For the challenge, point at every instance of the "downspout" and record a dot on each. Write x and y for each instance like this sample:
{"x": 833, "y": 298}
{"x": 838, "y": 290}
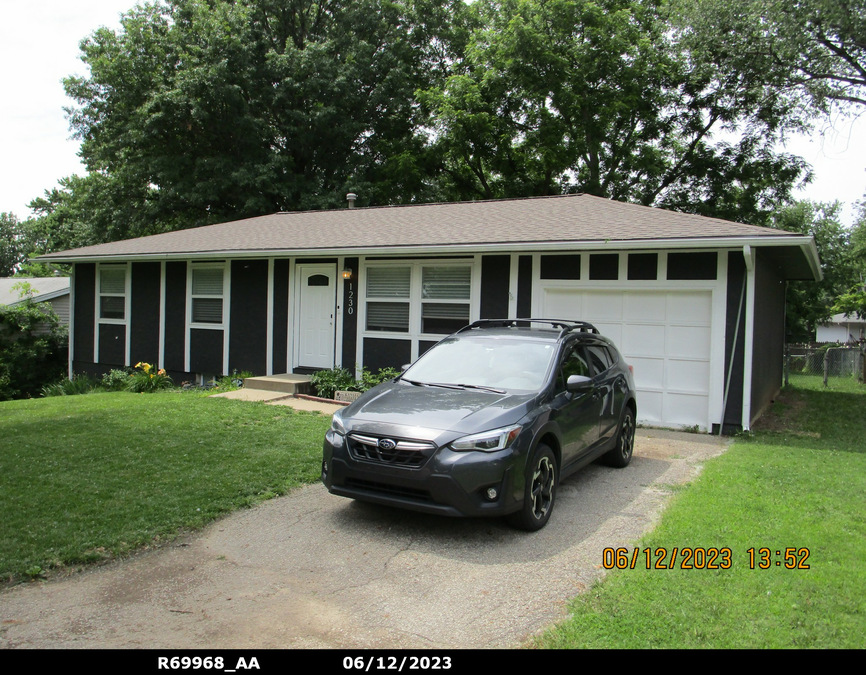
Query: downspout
{"x": 748, "y": 338}
{"x": 733, "y": 354}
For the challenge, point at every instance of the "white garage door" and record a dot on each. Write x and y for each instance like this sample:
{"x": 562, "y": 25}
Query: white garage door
{"x": 665, "y": 335}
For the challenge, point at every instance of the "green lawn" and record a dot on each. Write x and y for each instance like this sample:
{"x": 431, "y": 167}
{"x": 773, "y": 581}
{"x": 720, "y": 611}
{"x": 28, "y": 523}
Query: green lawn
{"x": 800, "y": 482}
{"x": 86, "y": 477}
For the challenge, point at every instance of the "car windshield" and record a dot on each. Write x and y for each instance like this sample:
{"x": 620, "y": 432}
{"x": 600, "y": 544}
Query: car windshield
{"x": 502, "y": 364}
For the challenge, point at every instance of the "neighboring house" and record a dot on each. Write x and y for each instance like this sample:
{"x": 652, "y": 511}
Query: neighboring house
{"x": 695, "y": 304}
{"x": 53, "y": 290}
{"x": 841, "y": 328}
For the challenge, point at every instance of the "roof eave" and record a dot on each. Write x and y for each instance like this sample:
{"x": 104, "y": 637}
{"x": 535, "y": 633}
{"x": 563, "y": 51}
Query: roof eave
{"x": 804, "y": 243}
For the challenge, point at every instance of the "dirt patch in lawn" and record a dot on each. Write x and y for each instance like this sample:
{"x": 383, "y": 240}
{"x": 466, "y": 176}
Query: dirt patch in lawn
{"x": 784, "y": 415}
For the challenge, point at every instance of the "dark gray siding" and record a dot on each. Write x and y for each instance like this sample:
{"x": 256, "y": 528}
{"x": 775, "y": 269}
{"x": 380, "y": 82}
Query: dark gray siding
{"x": 524, "y": 286}
{"x": 281, "y": 315}
{"x": 350, "y": 314}
{"x": 206, "y": 351}
{"x": 85, "y": 314}
{"x": 248, "y": 345}
{"x": 495, "y": 272}
{"x": 144, "y": 313}
{"x": 175, "y": 316}
{"x": 386, "y": 353}
{"x": 769, "y": 334}
{"x": 112, "y": 345}
{"x": 736, "y": 279}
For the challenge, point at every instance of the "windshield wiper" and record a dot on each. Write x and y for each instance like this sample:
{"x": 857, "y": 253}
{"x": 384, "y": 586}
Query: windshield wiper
{"x": 432, "y": 384}
{"x": 478, "y": 386}
{"x": 453, "y": 386}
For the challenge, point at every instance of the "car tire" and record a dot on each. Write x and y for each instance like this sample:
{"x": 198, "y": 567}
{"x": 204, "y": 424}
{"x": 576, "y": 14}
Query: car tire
{"x": 540, "y": 495}
{"x": 620, "y": 455}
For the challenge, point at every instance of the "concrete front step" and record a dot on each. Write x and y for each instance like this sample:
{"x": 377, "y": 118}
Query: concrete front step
{"x": 287, "y": 383}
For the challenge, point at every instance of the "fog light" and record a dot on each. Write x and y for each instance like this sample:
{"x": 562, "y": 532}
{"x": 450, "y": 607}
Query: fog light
{"x": 492, "y": 494}
{"x": 324, "y": 468}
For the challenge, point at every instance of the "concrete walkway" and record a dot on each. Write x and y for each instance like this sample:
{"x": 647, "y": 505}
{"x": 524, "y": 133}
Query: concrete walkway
{"x": 280, "y": 398}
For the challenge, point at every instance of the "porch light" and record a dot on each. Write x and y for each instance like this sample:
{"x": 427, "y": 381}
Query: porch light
{"x": 347, "y": 273}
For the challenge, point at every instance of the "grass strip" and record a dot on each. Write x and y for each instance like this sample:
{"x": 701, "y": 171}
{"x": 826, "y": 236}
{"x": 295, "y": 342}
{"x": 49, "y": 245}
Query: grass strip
{"x": 83, "y": 478}
{"x": 798, "y": 483}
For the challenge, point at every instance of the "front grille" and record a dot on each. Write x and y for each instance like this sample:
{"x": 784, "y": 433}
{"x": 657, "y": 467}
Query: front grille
{"x": 391, "y": 490}
{"x": 403, "y": 453}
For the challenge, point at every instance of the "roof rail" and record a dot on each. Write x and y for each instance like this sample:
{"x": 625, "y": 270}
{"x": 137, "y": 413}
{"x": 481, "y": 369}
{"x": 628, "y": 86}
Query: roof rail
{"x": 566, "y": 325}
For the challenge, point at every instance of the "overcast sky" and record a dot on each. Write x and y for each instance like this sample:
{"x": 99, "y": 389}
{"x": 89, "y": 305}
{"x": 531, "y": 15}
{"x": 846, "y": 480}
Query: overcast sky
{"x": 39, "y": 47}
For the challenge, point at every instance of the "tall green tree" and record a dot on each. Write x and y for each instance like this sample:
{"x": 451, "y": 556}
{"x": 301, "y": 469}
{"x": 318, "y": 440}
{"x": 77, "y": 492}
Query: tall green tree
{"x": 596, "y": 96}
{"x": 197, "y": 111}
{"x": 11, "y": 244}
{"x": 811, "y": 303}
{"x": 813, "y": 49}
{"x": 853, "y": 301}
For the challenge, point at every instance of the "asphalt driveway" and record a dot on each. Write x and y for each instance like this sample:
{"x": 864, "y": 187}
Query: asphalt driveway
{"x": 313, "y": 570}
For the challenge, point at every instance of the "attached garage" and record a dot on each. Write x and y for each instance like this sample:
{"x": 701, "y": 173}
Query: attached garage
{"x": 667, "y": 336}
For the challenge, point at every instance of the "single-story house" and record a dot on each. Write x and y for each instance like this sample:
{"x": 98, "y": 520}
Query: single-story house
{"x": 841, "y": 328}
{"x": 53, "y": 290}
{"x": 695, "y": 304}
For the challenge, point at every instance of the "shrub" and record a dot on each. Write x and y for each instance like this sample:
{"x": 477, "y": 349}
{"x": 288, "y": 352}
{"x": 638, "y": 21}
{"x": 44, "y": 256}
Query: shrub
{"x": 327, "y": 382}
{"x": 33, "y": 349}
{"x": 116, "y": 379}
{"x": 79, "y": 384}
{"x": 146, "y": 380}
{"x": 369, "y": 380}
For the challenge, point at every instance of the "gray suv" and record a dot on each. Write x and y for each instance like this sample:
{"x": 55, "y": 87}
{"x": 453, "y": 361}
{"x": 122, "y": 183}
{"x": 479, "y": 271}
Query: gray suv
{"x": 487, "y": 422}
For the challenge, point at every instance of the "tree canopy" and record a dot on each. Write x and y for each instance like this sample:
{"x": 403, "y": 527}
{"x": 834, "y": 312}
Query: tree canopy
{"x": 815, "y": 48}
{"x": 199, "y": 111}
{"x": 598, "y": 96}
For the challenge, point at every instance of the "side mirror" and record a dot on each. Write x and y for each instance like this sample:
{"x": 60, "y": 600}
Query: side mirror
{"x": 578, "y": 383}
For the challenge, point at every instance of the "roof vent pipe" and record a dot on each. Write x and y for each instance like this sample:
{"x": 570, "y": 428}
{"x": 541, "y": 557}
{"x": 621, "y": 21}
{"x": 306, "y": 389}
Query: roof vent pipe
{"x": 351, "y": 197}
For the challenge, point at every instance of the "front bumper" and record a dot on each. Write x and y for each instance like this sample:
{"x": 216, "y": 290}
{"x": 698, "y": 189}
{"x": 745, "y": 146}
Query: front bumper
{"x": 449, "y": 483}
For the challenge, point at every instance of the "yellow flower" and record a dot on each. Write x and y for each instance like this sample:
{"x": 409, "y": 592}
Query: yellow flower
{"x": 138, "y": 365}
{"x": 161, "y": 371}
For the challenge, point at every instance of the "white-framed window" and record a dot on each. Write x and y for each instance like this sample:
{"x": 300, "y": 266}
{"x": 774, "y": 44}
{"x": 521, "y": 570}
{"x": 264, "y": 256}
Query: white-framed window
{"x": 207, "y": 291}
{"x": 388, "y": 298}
{"x": 426, "y": 299}
{"x": 445, "y": 295}
{"x": 112, "y": 289}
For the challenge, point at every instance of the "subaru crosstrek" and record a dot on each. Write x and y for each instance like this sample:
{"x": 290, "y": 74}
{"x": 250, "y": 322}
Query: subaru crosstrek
{"x": 487, "y": 422}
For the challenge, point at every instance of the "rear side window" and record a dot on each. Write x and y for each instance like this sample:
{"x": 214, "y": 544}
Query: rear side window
{"x": 599, "y": 357}
{"x": 574, "y": 363}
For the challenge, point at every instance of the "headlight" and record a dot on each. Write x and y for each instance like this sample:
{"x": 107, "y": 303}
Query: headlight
{"x": 488, "y": 441}
{"x": 337, "y": 423}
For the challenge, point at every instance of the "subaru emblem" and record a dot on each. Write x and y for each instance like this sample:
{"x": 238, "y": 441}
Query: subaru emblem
{"x": 386, "y": 444}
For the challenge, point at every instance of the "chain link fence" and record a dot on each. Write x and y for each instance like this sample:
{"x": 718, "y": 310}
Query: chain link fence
{"x": 826, "y": 361}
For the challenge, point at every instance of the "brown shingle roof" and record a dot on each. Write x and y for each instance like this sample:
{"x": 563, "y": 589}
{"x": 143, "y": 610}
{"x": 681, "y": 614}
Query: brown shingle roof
{"x": 566, "y": 219}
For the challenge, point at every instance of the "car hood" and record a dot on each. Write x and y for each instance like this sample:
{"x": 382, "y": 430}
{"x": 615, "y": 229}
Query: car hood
{"x": 425, "y": 412}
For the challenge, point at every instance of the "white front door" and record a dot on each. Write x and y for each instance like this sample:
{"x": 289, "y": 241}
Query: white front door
{"x": 316, "y": 311}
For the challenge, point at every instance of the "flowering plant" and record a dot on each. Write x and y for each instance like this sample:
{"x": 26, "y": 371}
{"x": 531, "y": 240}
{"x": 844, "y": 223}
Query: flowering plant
{"x": 146, "y": 379}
